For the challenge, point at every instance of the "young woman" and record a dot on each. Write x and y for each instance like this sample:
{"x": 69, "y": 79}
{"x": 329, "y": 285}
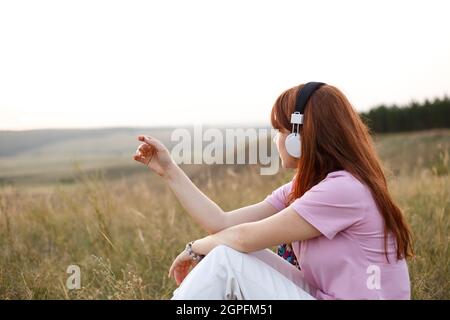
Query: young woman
{"x": 348, "y": 235}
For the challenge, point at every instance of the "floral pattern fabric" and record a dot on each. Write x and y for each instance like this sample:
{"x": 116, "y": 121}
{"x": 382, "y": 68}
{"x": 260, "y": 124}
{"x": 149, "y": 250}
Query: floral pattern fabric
{"x": 286, "y": 252}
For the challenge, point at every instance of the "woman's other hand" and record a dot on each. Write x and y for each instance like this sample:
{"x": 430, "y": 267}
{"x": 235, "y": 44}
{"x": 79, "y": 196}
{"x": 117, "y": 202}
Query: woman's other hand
{"x": 181, "y": 266}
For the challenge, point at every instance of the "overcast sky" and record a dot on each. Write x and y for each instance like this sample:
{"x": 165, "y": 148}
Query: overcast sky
{"x": 147, "y": 63}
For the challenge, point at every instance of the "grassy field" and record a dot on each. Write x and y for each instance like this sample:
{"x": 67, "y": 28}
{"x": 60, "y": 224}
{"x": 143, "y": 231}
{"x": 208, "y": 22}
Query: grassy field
{"x": 124, "y": 230}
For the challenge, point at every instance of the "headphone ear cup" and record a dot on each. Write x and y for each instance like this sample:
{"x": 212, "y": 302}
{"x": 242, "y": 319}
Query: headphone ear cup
{"x": 293, "y": 145}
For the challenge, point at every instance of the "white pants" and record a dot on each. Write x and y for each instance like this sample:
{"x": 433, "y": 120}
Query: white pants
{"x": 228, "y": 274}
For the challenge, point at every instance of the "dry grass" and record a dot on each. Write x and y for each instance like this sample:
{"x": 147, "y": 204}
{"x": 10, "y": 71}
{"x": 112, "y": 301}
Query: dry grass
{"x": 125, "y": 233}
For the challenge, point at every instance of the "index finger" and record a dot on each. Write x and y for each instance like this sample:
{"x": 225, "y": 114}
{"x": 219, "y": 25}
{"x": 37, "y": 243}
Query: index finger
{"x": 150, "y": 141}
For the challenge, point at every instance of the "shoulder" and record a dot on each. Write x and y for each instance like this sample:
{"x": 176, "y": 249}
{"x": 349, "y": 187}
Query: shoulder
{"x": 334, "y": 204}
{"x": 343, "y": 177}
{"x": 341, "y": 186}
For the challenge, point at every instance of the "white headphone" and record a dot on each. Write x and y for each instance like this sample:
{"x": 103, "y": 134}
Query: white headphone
{"x": 293, "y": 142}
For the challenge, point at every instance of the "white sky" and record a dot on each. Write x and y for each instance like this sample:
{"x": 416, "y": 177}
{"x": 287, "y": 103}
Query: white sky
{"x": 145, "y": 63}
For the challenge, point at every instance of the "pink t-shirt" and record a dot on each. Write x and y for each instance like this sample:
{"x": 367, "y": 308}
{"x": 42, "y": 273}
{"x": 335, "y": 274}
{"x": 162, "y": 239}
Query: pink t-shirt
{"x": 347, "y": 261}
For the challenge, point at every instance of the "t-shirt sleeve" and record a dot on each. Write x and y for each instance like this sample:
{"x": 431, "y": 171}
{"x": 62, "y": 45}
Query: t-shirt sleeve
{"x": 279, "y": 196}
{"x": 331, "y": 206}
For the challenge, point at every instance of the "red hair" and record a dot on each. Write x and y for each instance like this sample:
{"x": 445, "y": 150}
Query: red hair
{"x": 335, "y": 138}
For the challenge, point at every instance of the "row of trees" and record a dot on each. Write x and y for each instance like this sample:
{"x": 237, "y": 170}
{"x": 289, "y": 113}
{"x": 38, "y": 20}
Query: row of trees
{"x": 414, "y": 116}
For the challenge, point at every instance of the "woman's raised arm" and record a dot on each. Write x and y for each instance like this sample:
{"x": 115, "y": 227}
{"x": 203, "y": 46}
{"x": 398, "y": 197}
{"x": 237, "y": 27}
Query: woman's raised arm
{"x": 203, "y": 210}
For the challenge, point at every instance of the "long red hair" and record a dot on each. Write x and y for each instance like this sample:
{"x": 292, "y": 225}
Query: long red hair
{"x": 335, "y": 138}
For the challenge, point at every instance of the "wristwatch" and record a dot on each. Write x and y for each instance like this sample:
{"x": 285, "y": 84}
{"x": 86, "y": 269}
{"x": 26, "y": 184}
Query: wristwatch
{"x": 195, "y": 257}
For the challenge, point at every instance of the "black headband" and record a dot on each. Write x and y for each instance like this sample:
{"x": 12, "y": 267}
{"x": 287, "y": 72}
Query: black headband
{"x": 304, "y": 94}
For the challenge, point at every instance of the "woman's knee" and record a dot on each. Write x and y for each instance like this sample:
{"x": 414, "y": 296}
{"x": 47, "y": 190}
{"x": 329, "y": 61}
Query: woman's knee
{"x": 223, "y": 249}
{"x": 226, "y": 256}
{"x": 222, "y": 254}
